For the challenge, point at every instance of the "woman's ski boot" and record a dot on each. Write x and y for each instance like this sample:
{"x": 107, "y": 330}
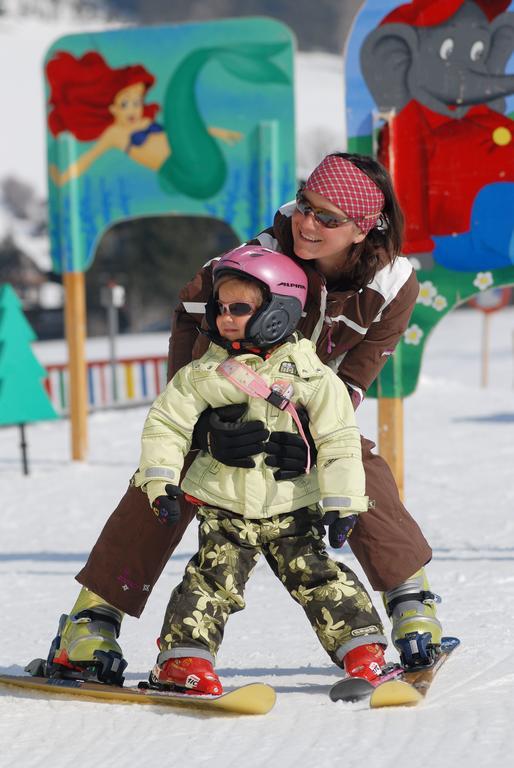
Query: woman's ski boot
{"x": 416, "y": 630}
{"x": 185, "y": 674}
{"x": 86, "y": 646}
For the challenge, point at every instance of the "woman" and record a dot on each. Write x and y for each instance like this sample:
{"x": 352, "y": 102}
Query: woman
{"x": 345, "y": 228}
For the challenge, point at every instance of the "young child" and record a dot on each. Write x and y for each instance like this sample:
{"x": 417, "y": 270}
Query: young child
{"x": 257, "y": 300}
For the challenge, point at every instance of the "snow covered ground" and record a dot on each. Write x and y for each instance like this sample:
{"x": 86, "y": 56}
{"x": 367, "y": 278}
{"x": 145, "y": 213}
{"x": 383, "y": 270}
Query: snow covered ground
{"x": 459, "y": 486}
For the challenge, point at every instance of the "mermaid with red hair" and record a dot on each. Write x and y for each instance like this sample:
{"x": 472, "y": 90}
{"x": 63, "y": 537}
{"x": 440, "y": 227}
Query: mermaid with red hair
{"x": 95, "y": 102}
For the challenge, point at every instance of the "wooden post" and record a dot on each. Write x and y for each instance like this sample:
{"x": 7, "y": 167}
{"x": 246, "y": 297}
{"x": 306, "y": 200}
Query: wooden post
{"x": 75, "y": 321}
{"x": 390, "y": 409}
{"x": 486, "y": 325}
{"x": 390, "y": 437}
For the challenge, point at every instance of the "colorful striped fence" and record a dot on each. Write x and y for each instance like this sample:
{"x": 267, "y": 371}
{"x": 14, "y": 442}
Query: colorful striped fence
{"x": 131, "y": 381}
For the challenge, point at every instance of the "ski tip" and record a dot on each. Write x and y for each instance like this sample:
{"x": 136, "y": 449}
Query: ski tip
{"x": 265, "y": 698}
{"x": 449, "y": 643}
{"x": 395, "y": 693}
{"x": 351, "y": 689}
{"x": 36, "y": 668}
{"x": 250, "y": 699}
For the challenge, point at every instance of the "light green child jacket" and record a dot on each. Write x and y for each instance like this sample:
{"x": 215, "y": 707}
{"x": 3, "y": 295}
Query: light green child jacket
{"x": 337, "y": 482}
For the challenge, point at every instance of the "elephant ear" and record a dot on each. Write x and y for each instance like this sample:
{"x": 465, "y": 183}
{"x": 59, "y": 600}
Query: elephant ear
{"x": 386, "y": 56}
{"x": 502, "y": 43}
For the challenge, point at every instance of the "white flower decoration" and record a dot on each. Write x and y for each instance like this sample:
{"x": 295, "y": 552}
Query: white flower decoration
{"x": 427, "y": 292}
{"x": 439, "y": 303}
{"x": 413, "y": 335}
{"x": 483, "y": 280}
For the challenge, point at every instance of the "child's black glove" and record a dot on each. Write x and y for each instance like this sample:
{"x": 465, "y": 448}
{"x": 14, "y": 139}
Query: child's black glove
{"x": 166, "y": 508}
{"x": 230, "y": 441}
{"x": 339, "y": 528}
{"x": 288, "y": 452}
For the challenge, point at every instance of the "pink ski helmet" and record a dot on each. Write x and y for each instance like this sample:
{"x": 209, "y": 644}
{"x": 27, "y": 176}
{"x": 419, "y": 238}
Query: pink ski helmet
{"x": 285, "y": 289}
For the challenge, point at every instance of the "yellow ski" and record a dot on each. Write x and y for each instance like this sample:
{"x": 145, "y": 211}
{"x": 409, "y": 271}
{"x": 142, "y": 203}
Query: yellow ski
{"x": 252, "y": 699}
{"x": 413, "y": 686}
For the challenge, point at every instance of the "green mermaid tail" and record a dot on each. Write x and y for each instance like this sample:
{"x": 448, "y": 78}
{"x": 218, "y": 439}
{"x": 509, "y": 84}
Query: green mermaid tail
{"x": 196, "y": 166}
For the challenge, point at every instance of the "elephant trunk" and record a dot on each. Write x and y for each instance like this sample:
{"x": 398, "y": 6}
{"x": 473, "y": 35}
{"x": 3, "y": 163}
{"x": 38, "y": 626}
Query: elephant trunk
{"x": 481, "y": 87}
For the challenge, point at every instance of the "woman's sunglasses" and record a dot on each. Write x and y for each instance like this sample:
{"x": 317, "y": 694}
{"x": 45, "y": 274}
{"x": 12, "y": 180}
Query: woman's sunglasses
{"x": 236, "y": 308}
{"x": 324, "y": 218}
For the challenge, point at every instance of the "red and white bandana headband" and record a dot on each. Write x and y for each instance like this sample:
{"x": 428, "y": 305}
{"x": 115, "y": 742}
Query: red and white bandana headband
{"x": 345, "y": 185}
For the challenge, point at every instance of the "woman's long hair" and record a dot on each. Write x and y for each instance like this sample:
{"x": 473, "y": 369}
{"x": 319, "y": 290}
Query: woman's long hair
{"x": 383, "y": 243}
{"x": 82, "y": 90}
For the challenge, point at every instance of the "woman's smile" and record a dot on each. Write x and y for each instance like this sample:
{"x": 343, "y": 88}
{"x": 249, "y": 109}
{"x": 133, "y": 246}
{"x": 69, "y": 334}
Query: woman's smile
{"x": 309, "y": 238}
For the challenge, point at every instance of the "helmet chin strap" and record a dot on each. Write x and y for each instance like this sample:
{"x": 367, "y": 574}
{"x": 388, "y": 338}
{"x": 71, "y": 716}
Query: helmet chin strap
{"x": 234, "y": 347}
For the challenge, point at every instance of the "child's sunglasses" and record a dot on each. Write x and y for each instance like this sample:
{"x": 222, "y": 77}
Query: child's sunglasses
{"x": 324, "y": 218}
{"x": 236, "y": 308}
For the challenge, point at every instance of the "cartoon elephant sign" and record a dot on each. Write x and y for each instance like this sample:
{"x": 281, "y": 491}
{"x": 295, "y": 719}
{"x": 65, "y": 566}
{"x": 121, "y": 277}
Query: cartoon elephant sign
{"x": 439, "y": 71}
{"x": 440, "y": 65}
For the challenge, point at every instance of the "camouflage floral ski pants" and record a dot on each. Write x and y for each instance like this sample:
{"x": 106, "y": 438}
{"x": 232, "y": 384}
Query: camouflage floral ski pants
{"x": 336, "y": 603}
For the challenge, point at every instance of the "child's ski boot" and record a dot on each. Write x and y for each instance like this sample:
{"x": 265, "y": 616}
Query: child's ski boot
{"x": 366, "y": 661}
{"x": 185, "y": 674}
{"x": 85, "y": 647}
{"x": 366, "y": 669}
{"x": 416, "y": 630}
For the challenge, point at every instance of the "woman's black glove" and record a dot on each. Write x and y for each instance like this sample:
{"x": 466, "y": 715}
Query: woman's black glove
{"x": 288, "y": 452}
{"x": 339, "y": 528}
{"x": 230, "y": 441}
{"x": 166, "y": 508}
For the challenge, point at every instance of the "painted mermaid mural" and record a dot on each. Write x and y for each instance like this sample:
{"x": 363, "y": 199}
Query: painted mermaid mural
{"x": 190, "y": 120}
{"x": 96, "y": 102}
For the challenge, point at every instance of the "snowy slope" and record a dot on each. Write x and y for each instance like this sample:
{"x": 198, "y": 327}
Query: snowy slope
{"x": 459, "y": 486}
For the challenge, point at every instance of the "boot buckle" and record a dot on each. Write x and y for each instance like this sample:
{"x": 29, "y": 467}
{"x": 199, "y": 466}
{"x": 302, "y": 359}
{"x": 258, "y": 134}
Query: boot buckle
{"x": 416, "y": 650}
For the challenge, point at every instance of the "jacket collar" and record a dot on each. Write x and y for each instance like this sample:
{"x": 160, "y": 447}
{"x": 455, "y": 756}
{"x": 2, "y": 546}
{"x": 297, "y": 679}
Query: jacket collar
{"x": 296, "y": 347}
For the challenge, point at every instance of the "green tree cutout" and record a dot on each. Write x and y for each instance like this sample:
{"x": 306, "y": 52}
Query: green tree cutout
{"x": 23, "y": 398}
